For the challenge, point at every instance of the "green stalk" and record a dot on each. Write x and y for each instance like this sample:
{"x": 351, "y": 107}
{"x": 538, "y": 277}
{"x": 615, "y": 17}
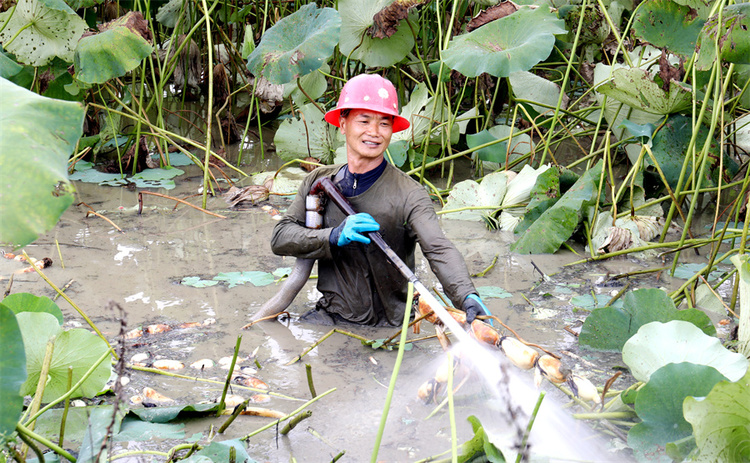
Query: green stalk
{"x": 394, "y": 374}
{"x": 452, "y": 412}
{"x": 229, "y": 375}
{"x": 21, "y": 429}
{"x": 5, "y": 45}
{"x": 280, "y": 420}
{"x": 526, "y": 434}
{"x": 209, "y": 104}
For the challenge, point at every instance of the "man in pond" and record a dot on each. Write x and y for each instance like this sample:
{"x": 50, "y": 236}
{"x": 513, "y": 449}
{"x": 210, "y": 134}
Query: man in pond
{"x": 358, "y": 283}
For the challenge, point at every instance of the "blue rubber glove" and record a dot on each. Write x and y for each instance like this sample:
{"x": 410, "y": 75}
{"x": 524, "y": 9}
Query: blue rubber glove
{"x": 474, "y": 306}
{"x": 352, "y": 229}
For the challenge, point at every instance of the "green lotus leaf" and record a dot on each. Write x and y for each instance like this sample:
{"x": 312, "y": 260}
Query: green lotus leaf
{"x": 468, "y": 193}
{"x": 721, "y": 421}
{"x": 495, "y": 156}
{"x": 113, "y": 52}
{"x": 76, "y": 348}
{"x": 313, "y": 84}
{"x": 25, "y": 302}
{"x": 733, "y": 36}
{"x": 356, "y": 43}
{"x": 255, "y": 277}
{"x": 219, "y": 452}
{"x": 426, "y": 118}
{"x": 514, "y": 43}
{"x": 557, "y": 224}
{"x": 636, "y": 88}
{"x": 659, "y": 403}
{"x": 41, "y": 30}
{"x": 8, "y": 66}
{"x": 169, "y": 13}
{"x": 665, "y": 24}
{"x": 297, "y": 45}
{"x": 37, "y": 136}
{"x": 535, "y": 89}
{"x": 609, "y": 328}
{"x": 657, "y": 344}
{"x": 700, "y": 7}
{"x": 307, "y": 135}
{"x": 81, "y": 4}
{"x": 12, "y": 372}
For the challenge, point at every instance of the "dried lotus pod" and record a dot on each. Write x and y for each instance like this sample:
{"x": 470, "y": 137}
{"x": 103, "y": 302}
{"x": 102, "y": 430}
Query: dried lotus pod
{"x": 617, "y": 240}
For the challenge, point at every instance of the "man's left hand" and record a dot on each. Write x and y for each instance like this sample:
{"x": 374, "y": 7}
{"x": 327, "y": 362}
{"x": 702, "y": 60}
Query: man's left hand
{"x": 474, "y": 306}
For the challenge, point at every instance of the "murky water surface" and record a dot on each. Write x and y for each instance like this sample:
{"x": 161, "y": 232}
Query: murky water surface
{"x": 141, "y": 269}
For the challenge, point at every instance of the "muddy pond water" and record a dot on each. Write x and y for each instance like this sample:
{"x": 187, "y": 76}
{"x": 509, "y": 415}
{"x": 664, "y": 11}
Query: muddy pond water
{"x": 142, "y": 267}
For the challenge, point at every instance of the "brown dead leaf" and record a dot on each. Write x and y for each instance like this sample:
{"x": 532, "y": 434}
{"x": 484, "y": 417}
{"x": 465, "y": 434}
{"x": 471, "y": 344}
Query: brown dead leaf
{"x": 249, "y": 194}
{"x": 387, "y": 19}
{"x": 667, "y": 72}
{"x": 490, "y": 14}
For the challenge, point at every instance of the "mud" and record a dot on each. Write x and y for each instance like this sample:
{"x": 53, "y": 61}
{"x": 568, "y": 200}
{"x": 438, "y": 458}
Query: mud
{"x": 141, "y": 268}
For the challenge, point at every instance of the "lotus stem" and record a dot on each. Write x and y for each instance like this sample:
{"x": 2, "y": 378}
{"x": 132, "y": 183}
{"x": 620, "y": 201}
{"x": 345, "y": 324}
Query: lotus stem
{"x": 310, "y": 384}
{"x": 277, "y": 422}
{"x": 452, "y": 412}
{"x": 229, "y": 374}
{"x": 525, "y": 440}
{"x": 237, "y": 410}
{"x": 394, "y": 373}
{"x": 604, "y": 415}
{"x": 140, "y": 193}
{"x": 27, "y": 433}
{"x": 295, "y": 421}
{"x": 323, "y": 338}
{"x": 61, "y": 439}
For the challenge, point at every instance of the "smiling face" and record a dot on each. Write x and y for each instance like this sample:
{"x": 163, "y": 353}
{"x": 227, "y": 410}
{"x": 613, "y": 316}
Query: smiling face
{"x": 367, "y": 134}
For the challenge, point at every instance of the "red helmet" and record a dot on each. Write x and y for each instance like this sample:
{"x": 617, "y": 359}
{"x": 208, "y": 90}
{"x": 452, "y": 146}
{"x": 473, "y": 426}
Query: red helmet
{"x": 369, "y": 91}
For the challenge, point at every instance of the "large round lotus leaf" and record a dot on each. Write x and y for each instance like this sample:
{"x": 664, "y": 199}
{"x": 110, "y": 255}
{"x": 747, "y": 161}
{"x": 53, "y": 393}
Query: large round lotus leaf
{"x": 307, "y": 135}
{"x": 356, "y": 19}
{"x": 721, "y": 421}
{"x": 109, "y": 54}
{"x": 700, "y": 7}
{"x": 37, "y": 136}
{"x": 514, "y": 43}
{"x": 733, "y": 35}
{"x": 25, "y": 302}
{"x": 12, "y": 372}
{"x": 657, "y": 344}
{"x": 297, "y": 45}
{"x": 77, "y": 348}
{"x": 496, "y": 155}
{"x": 664, "y": 23}
{"x": 44, "y": 28}
{"x": 636, "y": 88}
{"x": 659, "y": 403}
{"x": 610, "y": 327}
{"x": 469, "y": 193}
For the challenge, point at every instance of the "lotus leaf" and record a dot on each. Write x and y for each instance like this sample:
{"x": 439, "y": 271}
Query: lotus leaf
{"x": 8, "y": 66}
{"x": 101, "y": 422}
{"x": 240, "y": 278}
{"x": 610, "y": 327}
{"x": 356, "y": 19}
{"x": 12, "y": 371}
{"x": 535, "y": 89}
{"x": 721, "y": 421}
{"x": 468, "y": 193}
{"x": 514, "y": 43}
{"x": 665, "y": 24}
{"x": 76, "y": 348}
{"x": 167, "y": 414}
{"x": 297, "y": 45}
{"x": 219, "y": 452}
{"x": 41, "y": 30}
{"x": 701, "y": 7}
{"x": 25, "y": 302}
{"x": 495, "y": 156}
{"x": 197, "y": 282}
{"x": 636, "y": 88}
{"x": 34, "y": 187}
{"x": 424, "y": 113}
{"x": 733, "y": 36}
{"x": 169, "y": 13}
{"x": 480, "y": 447}
{"x": 657, "y": 344}
{"x": 558, "y": 223}
{"x": 309, "y": 135}
{"x": 742, "y": 262}
{"x": 659, "y": 403}
{"x": 313, "y": 84}
{"x": 110, "y": 54}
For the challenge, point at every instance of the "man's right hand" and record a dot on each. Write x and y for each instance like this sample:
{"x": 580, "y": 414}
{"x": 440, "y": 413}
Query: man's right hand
{"x": 353, "y": 227}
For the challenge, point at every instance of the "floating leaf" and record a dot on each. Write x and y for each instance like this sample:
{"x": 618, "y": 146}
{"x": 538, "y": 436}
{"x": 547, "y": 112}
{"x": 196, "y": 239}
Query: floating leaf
{"x": 514, "y": 43}
{"x": 659, "y": 403}
{"x": 25, "y": 302}
{"x": 721, "y": 421}
{"x": 112, "y": 53}
{"x": 133, "y": 429}
{"x": 610, "y": 327}
{"x": 76, "y": 348}
{"x": 313, "y": 84}
{"x": 357, "y": 16}
{"x": 589, "y": 302}
{"x": 167, "y": 414}
{"x": 733, "y": 36}
{"x": 102, "y": 422}
{"x": 657, "y": 344}
{"x": 12, "y": 371}
{"x": 296, "y": 45}
{"x": 488, "y": 292}
{"x": 468, "y": 193}
{"x": 219, "y": 452}
{"x": 687, "y": 271}
{"x": 665, "y": 24}
{"x": 41, "y": 30}
{"x": 558, "y": 223}
{"x": 197, "y": 282}
{"x": 308, "y": 135}
{"x": 37, "y": 136}
{"x": 240, "y": 278}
